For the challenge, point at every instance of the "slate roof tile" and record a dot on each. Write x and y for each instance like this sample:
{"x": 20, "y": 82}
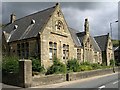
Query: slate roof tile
{"x": 25, "y": 28}
{"x": 73, "y": 33}
{"x": 102, "y": 41}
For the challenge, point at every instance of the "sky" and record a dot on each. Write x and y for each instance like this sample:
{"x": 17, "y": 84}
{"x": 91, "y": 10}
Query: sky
{"x": 100, "y": 14}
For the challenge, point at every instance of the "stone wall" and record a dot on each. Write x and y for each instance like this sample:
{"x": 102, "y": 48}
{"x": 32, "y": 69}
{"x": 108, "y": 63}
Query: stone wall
{"x": 10, "y": 78}
{"x": 13, "y": 78}
{"x": 23, "y": 78}
{"x": 52, "y": 79}
{"x": 87, "y": 74}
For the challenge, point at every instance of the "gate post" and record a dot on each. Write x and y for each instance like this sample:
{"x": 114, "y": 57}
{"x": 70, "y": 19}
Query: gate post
{"x": 25, "y": 73}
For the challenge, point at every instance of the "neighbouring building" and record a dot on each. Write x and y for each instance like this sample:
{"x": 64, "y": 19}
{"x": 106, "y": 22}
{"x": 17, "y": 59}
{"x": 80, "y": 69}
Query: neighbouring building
{"x": 116, "y": 53}
{"x": 45, "y": 35}
{"x": 106, "y": 46}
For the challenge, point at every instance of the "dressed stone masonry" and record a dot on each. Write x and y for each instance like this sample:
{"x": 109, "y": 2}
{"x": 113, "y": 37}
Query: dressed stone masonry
{"x": 25, "y": 73}
{"x": 45, "y": 34}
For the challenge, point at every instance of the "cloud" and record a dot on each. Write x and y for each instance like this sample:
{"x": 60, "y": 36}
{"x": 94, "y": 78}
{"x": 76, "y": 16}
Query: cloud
{"x": 100, "y": 14}
{"x": 99, "y": 18}
{"x": 22, "y": 9}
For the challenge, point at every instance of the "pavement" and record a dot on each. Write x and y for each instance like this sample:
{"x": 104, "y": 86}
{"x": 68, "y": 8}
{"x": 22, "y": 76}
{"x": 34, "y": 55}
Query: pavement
{"x": 67, "y": 83}
{"x": 90, "y": 82}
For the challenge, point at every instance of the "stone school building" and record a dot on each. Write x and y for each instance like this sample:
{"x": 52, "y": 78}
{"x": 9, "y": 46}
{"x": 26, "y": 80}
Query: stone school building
{"x": 46, "y": 34}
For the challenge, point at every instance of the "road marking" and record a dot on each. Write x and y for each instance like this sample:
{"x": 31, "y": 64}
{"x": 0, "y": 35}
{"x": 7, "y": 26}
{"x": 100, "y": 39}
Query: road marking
{"x": 115, "y": 82}
{"x": 101, "y": 87}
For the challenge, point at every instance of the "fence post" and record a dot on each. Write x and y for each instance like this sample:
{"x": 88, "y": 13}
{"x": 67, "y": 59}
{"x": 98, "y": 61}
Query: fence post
{"x": 25, "y": 73}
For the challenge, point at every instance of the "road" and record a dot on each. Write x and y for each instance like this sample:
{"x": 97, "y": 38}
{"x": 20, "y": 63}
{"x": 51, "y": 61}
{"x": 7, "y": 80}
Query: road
{"x": 94, "y": 83}
{"x": 111, "y": 81}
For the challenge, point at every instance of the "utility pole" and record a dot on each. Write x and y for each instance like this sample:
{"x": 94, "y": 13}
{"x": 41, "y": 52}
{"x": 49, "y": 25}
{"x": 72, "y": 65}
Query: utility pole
{"x": 111, "y": 27}
{"x": 111, "y": 39}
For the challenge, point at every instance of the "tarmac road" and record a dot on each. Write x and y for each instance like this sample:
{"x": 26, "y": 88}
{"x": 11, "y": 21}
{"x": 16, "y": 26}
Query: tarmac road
{"x": 95, "y": 83}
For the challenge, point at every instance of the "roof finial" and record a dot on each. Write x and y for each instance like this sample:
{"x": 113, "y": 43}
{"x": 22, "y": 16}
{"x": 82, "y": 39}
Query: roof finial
{"x": 86, "y": 19}
{"x": 57, "y": 4}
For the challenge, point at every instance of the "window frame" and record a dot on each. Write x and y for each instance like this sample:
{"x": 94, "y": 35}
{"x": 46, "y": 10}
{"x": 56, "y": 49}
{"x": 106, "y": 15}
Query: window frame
{"x": 52, "y": 50}
{"x": 65, "y": 51}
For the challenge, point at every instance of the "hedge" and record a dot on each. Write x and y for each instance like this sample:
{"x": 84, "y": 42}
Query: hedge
{"x": 10, "y": 64}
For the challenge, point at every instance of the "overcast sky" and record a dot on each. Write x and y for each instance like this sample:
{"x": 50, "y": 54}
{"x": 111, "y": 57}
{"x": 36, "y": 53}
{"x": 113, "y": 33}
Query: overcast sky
{"x": 100, "y": 14}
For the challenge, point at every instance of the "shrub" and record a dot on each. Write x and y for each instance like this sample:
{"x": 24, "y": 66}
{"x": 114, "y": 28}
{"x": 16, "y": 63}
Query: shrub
{"x": 85, "y": 63}
{"x": 56, "y": 68}
{"x": 10, "y": 64}
{"x": 36, "y": 66}
{"x": 103, "y": 64}
{"x": 96, "y": 66}
{"x": 112, "y": 62}
{"x": 85, "y": 68}
{"x": 73, "y": 65}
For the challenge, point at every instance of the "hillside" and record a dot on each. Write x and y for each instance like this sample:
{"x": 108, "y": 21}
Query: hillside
{"x": 115, "y": 43}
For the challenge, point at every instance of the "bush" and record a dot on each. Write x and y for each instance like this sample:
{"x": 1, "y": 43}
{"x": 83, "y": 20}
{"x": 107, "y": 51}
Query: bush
{"x": 36, "y": 66}
{"x": 103, "y": 64}
{"x": 112, "y": 62}
{"x": 96, "y": 66}
{"x": 56, "y": 68}
{"x": 85, "y": 68}
{"x": 85, "y": 63}
{"x": 73, "y": 65}
{"x": 10, "y": 64}
{"x": 89, "y": 66}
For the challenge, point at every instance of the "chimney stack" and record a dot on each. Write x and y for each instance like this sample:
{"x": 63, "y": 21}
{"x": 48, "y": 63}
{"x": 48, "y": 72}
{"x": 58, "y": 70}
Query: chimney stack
{"x": 12, "y": 18}
{"x": 86, "y": 26}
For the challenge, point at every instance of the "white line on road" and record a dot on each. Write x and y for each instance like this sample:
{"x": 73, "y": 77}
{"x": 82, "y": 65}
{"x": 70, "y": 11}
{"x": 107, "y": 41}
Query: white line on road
{"x": 103, "y": 86}
{"x": 115, "y": 82}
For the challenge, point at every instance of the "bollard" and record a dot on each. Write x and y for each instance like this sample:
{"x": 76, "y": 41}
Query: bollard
{"x": 67, "y": 76}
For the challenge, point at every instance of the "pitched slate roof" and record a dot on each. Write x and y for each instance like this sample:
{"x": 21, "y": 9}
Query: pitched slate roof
{"x": 94, "y": 43}
{"x": 81, "y": 36}
{"x": 102, "y": 41}
{"x": 73, "y": 33}
{"x": 78, "y": 38}
{"x": 25, "y": 29}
